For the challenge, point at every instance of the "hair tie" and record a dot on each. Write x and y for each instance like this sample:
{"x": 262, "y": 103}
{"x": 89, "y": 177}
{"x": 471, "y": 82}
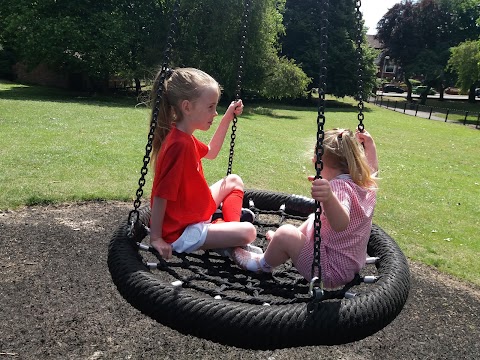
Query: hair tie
{"x": 168, "y": 73}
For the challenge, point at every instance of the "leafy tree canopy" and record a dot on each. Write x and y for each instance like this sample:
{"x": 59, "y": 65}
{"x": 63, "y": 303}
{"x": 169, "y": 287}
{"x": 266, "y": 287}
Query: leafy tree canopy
{"x": 418, "y": 35}
{"x": 465, "y": 61}
{"x": 302, "y": 43}
{"x": 127, "y": 38}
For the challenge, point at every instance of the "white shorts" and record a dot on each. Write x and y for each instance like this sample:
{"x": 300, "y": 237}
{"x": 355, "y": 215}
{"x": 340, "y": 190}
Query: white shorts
{"x": 192, "y": 238}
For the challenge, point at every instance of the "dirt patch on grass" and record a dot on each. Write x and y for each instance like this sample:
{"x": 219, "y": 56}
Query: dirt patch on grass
{"x": 57, "y": 301}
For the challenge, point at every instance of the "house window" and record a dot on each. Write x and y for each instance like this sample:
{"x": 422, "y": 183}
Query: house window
{"x": 389, "y": 67}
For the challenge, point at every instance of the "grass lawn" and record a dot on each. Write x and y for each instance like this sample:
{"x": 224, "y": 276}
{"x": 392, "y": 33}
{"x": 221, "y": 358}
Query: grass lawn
{"x": 59, "y": 147}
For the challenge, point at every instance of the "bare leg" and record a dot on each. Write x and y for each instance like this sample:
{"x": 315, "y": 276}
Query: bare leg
{"x": 225, "y": 186}
{"x": 229, "y": 234}
{"x": 287, "y": 243}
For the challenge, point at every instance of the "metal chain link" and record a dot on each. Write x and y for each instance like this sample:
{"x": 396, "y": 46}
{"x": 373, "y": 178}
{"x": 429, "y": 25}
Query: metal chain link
{"x": 241, "y": 66}
{"x": 134, "y": 215}
{"x": 360, "y": 71}
{"x": 320, "y": 134}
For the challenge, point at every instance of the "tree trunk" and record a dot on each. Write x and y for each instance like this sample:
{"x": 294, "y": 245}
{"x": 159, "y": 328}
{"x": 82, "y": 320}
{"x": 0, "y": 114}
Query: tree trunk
{"x": 442, "y": 90}
{"x": 423, "y": 96}
{"x": 138, "y": 86}
{"x": 471, "y": 94}
{"x": 409, "y": 89}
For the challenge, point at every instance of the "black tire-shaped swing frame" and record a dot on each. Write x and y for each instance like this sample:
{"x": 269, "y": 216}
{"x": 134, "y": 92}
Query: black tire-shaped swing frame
{"x": 329, "y": 322}
{"x": 253, "y": 325}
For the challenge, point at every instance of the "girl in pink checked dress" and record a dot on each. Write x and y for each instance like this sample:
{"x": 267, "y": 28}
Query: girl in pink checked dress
{"x": 347, "y": 193}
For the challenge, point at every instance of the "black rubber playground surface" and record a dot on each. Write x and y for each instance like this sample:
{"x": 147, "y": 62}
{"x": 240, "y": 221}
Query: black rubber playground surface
{"x": 58, "y": 301}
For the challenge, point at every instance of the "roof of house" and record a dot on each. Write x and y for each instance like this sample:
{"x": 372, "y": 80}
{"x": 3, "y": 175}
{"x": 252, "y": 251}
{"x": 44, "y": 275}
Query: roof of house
{"x": 374, "y": 42}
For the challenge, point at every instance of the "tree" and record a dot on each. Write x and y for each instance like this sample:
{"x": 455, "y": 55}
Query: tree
{"x": 398, "y": 31}
{"x": 464, "y": 15}
{"x": 418, "y": 36}
{"x": 127, "y": 38}
{"x": 302, "y": 43}
{"x": 96, "y": 38}
{"x": 465, "y": 61}
{"x": 214, "y": 46}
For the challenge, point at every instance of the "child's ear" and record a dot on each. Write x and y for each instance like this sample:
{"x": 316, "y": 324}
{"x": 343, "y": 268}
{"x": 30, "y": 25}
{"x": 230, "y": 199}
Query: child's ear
{"x": 186, "y": 106}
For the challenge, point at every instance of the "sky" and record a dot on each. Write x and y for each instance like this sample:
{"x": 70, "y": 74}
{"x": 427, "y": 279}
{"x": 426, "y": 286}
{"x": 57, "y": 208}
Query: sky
{"x": 373, "y": 11}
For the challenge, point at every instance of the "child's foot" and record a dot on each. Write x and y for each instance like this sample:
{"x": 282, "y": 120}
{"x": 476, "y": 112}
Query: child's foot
{"x": 269, "y": 235}
{"x": 253, "y": 249}
{"x": 247, "y": 215}
{"x": 246, "y": 259}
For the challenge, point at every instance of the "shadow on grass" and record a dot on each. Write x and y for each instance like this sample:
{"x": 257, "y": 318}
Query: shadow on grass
{"x": 20, "y": 92}
{"x": 270, "y": 109}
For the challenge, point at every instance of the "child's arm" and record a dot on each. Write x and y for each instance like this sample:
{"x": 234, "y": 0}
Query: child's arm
{"x": 156, "y": 223}
{"x": 337, "y": 215}
{"x": 370, "y": 149}
{"x": 235, "y": 108}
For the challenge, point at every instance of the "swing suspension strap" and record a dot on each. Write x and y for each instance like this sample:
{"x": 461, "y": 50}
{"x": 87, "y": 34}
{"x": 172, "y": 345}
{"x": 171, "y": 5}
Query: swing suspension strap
{"x": 241, "y": 66}
{"x": 316, "y": 273}
{"x": 134, "y": 214}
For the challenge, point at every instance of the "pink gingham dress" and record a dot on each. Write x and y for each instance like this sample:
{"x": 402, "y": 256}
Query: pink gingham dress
{"x": 342, "y": 254}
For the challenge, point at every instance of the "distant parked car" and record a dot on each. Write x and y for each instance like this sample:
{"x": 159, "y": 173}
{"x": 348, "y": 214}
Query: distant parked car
{"x": 393, "y": 88}
{"x": 477, "y": 92}
{"x": 452, "y": 91}
{"x": 420, "y": 89}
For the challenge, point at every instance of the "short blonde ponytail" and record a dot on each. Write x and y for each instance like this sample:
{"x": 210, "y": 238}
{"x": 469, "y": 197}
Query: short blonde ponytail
{"x": 343, "y": 151}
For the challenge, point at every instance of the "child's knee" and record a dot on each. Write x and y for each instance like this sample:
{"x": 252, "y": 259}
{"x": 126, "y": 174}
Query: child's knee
{"x": 285, "y": 234}
{"x": 252, "y": 231}
{"x": 249, "y": 232}
{"x": 235, "y": 181}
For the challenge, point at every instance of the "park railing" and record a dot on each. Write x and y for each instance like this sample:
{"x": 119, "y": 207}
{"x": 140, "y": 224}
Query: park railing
{"x": 428, "y": 112}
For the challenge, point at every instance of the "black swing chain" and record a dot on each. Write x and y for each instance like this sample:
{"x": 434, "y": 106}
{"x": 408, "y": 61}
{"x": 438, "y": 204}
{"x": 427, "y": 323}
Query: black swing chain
{"x": 241, "y": 66}
{"x": 360, "y": 73}
{"x": 134, "y": 214}
{"x": 320, "y": 132}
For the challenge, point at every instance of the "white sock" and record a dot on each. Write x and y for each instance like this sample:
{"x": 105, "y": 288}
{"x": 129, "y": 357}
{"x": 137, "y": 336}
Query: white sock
{"x": 250, "y": 261}
{"x": 257, "y": 263}
{"x": 264, "y": 265}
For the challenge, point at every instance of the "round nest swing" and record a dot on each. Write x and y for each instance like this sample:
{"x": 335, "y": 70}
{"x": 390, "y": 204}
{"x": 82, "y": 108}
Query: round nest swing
{"x": 205, "y": 295}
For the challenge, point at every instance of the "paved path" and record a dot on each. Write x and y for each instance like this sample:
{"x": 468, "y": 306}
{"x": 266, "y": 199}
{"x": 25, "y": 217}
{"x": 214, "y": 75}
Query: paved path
{"x": 414, "y": 111}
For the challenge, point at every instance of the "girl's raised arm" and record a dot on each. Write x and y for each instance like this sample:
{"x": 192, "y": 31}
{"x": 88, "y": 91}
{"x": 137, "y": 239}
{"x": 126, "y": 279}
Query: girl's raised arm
{"x": 235, "y": 108}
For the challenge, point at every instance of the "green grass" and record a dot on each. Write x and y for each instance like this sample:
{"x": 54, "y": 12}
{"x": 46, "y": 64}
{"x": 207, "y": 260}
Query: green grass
{"x": 59, "y": 148}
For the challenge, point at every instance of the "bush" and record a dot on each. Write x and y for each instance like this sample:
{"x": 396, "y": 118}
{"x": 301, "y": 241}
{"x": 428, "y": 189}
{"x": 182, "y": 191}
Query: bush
{"x": 415, "y": 82}
{"x": 286, "y": 80}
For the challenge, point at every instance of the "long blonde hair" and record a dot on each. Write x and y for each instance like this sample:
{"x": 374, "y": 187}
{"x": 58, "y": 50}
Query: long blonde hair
{"x": 179, "y": 85}
{"x": 343, "y": 151}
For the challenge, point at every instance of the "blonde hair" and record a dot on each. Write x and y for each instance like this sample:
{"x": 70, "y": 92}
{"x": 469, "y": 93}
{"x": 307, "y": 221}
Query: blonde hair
{"x": 343, "y": 151}
{"x": 179, "y": 85}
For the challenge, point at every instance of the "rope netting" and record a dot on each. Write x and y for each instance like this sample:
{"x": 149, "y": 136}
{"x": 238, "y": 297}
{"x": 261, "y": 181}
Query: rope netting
{"x": 206, "y": 295}
{"x": 212, "y": 274}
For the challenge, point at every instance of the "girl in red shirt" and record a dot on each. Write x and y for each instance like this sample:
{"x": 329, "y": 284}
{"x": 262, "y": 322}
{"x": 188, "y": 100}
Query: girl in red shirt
{"x": 182, "y": 202}
{"x": 347, "y": 192}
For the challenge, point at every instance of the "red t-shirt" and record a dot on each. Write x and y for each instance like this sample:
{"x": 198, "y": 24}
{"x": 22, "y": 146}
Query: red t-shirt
{"x": 180, "y": 180}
